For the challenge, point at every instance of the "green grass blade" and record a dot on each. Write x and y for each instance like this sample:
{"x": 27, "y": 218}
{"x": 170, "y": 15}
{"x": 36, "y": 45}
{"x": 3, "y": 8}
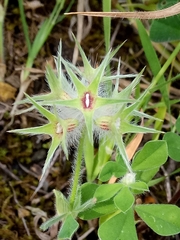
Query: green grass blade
{"x": 153, "y": 60}
{"x": 107, "y": 23}
{"x": 24, "y": 24}
{"x": 42, "y": 36}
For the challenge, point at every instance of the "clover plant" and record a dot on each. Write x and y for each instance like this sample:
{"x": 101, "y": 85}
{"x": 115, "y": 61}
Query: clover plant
{"x": 84, "y": 105}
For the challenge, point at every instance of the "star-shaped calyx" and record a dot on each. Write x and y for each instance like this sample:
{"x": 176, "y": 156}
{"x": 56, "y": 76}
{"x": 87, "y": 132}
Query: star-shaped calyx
{"x": 61, "y": 131}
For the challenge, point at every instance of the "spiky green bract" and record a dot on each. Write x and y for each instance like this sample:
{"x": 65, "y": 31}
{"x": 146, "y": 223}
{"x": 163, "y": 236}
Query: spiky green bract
{"x": 57, "y": 128}
{"x": 80, "y": 102}
{"x": 89, "y": 89}
{"x": 60, "y": 87}
{"x": 83, "y": 93}
{"x": 118, "y": 120}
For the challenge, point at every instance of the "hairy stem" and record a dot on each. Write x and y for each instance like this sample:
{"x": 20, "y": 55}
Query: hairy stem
{"x": 77, "y": 172}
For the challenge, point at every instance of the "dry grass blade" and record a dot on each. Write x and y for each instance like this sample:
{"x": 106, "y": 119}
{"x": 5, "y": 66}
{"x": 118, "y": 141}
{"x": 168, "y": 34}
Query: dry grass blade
{"x": 164, "y": 13}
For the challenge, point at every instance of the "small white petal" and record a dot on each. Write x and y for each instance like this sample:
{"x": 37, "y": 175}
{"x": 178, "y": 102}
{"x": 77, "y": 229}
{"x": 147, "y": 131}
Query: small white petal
{"x": 59, "y": 128}
{"x": 87, "y": 101}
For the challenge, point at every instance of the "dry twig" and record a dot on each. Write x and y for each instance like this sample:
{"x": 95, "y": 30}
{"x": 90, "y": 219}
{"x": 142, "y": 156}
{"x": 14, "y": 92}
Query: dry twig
{"x": 163, "y": 13}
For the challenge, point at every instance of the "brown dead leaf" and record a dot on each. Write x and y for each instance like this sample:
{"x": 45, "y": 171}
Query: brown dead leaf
{"x": 2, "y": 71}
{"x": 6, "y": 91}
{"x": 33, "y": 4}
{"x": 23, "y": 213}
{"x": 133, "y": 145}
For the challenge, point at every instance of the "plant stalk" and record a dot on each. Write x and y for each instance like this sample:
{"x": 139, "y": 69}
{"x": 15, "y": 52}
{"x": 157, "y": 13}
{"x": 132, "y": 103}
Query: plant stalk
{"x": 25, "y": 26}
{"x": 77, "y": 171}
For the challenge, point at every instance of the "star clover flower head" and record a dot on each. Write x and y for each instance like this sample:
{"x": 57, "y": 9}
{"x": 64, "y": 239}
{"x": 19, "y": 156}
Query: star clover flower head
{"x": 82, "y": 101}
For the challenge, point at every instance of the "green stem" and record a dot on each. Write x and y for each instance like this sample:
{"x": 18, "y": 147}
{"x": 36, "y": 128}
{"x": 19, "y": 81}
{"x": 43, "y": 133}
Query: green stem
{"x": 24, "y": 23}
{"x": 77, "y": 172}
{"x": 166, "y": 64}
{"x": 145, "y": 97}
{"x": 122, "y": 151}
{"x": 161, "y": 72}
{"x": 107, "y": 24}
{"x": 60, "y": 18}
{"x": 41, "y": 37}
{"x": 106, "y": 4}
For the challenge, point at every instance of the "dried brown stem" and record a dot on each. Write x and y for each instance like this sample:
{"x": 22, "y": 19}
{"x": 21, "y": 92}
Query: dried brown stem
{"x": 164, "y": 13}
